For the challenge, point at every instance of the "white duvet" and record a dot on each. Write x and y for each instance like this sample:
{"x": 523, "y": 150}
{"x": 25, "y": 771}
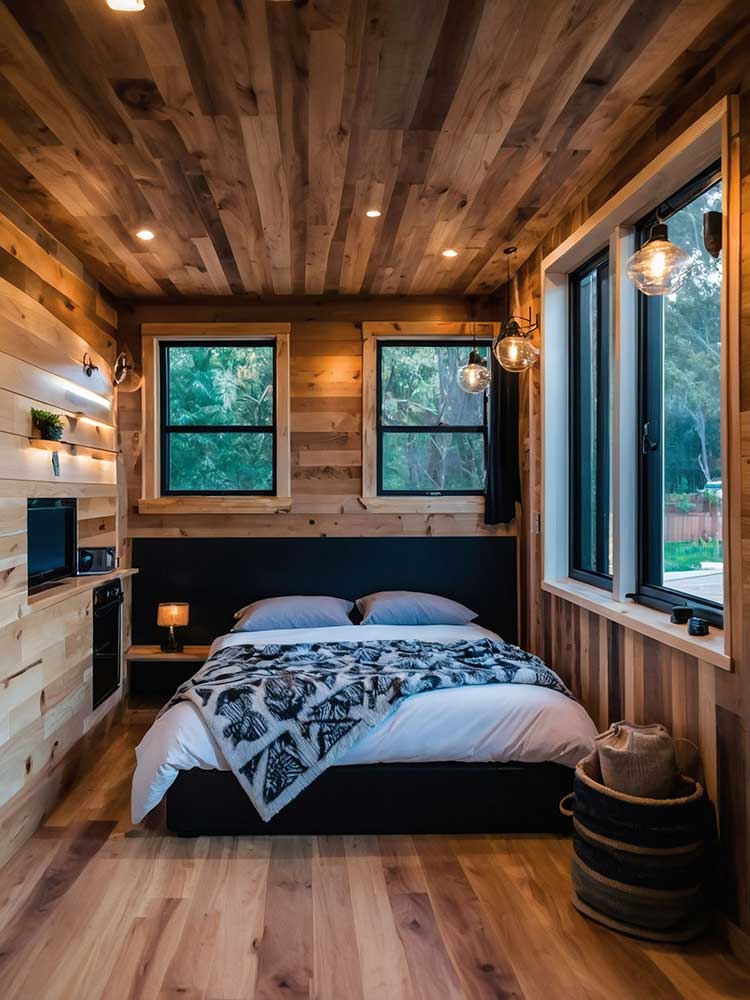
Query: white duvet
{"x": 497, "y": 722}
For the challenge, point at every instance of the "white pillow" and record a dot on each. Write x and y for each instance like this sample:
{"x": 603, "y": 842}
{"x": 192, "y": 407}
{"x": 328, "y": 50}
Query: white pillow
{"x": 293, "y": 612}
{"x": 409, "y": 607}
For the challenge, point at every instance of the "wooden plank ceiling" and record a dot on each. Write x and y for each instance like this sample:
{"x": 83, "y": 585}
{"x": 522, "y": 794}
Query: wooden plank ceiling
{"x": 253, "y": 136}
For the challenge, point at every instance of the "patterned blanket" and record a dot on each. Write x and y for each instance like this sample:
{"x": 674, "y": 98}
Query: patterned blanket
{"x": 282, "y": 714}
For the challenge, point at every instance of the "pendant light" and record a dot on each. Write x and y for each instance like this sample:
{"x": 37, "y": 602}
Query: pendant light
{"x": 660, "y": 266}
{"x": 513, "y": 348}
{"x": 475, "y": 376}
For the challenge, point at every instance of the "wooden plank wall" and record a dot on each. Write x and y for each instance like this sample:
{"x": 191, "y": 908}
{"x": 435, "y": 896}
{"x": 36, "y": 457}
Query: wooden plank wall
{"x": 617, "y": 673}
{"x": 326, "y": 419}
{"x": 51, "y": 312}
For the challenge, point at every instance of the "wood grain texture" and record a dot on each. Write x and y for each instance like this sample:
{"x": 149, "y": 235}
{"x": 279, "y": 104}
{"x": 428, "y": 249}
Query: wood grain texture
{"x": 93, "y": 907}
{"x": 652, "y": 682}
{"x": 252, "y": 137}
{"x": 327, "y": 422}
{"x": 51, "y": 312}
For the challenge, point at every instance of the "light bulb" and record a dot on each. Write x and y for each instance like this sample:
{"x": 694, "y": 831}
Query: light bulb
{"x": 657, "y": 264}
{"x": 145, "y": 234}
{"x": 129, "y": 5}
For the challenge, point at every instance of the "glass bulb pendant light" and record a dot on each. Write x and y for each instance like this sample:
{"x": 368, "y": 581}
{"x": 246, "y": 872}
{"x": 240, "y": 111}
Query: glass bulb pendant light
{"x": 514, "y": 351}
{"x": 474, "y": 376}
{"x": 660, "y": 266}
{"x": 513, "y": 348}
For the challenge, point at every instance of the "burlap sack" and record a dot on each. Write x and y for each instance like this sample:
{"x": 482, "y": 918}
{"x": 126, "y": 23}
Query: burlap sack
{"x": 638, "y": 760}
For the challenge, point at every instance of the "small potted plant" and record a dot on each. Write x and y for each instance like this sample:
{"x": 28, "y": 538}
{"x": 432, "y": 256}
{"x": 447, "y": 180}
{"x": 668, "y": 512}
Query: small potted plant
{"x": 49, "y": 425}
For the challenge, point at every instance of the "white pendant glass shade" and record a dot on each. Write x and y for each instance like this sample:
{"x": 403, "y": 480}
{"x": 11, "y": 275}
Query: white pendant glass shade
{"x": 474, "y": 377}
{"x": 515, "y": 353}
{"x": 126, "y": 4}
{"x": 659, "y": 267}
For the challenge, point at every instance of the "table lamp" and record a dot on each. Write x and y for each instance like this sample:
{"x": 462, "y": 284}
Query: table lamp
{"x": 176, "y": 613}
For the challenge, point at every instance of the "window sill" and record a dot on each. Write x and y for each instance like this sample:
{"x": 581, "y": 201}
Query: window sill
{"x": 214, "y": 505}
{"x": 423, "y": 505}
{"x": 647, "y": 621}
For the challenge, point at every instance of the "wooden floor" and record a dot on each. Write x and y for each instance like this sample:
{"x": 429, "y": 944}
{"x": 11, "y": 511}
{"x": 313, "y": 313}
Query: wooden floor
{"x": 92, "y": 907}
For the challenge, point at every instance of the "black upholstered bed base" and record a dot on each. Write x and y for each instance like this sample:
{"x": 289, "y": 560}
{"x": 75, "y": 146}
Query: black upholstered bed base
{"x": 382, "y": 798}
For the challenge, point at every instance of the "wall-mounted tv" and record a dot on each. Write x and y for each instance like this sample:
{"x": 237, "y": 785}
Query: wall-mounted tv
{"x": 51, "y": 540}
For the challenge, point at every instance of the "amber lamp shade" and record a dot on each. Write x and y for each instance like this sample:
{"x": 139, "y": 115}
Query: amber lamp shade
{"x": 171, "y": 616}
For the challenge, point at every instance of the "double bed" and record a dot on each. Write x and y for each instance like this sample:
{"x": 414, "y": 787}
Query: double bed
{"x": 483, "y": 757}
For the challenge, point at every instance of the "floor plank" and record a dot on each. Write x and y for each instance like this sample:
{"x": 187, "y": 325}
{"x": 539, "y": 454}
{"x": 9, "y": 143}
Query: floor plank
{"x": 96, "y": 909}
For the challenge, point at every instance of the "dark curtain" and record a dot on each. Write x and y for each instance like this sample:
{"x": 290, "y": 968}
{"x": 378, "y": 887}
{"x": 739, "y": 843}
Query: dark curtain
{"x": 503, "y": 476}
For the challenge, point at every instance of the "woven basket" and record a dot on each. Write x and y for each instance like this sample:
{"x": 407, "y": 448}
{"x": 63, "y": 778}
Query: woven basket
{"x": 640, "y": 865}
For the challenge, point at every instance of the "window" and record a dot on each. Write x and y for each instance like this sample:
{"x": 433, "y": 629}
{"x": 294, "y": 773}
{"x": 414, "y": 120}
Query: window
{"x": 590, "y": 425}
{"x": 218, "y": 417}
{"x": 681, "y": 557}
{"x": 431, "y": 435}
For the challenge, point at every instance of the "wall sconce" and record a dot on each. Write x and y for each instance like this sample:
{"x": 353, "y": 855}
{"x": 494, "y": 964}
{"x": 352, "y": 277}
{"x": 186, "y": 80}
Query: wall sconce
{"x": 88, "y": 366}
{"x": 660, "y": 266}
{"x": 514, "y": 349}
{"x": 124, "y": 374}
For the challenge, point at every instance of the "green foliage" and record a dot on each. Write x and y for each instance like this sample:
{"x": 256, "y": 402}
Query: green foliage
{"x": 687, "y": 556}
{"x": 49, "y": 424}
{"x": 692, "y": 358}
{"x": 223, "y": 387}
{"x": 420, "y": 388}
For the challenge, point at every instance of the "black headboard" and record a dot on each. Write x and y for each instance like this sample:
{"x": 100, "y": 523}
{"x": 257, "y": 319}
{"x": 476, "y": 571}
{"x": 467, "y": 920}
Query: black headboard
{"x": 219, "y": 575}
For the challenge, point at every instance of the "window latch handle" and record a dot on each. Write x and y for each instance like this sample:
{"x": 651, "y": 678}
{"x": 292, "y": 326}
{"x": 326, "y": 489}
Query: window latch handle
{"x": 647, "y": 445}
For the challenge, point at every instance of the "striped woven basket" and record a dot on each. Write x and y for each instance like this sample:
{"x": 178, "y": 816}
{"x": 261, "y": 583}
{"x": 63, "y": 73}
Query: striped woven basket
{"x": 640, "y": 865}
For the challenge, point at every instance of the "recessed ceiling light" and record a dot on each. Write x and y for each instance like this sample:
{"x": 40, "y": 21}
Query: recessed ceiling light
{"x": 126, "y": 4}
{"x": 450, "y": 253}
{"x": 372, "y": 213}
{"x": 144, "y": 234}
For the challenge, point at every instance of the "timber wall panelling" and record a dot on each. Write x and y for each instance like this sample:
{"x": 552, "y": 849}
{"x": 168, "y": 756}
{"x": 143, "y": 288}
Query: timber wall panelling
{"x": 326, "y": 418}
{"x": 51, "y": 312}
{"x": 616, "y": 672}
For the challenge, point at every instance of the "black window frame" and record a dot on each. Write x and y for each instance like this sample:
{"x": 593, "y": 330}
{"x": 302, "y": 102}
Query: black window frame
{"x": 382, "y": 429}
{"x": 166, "y": 430}
{"x": 650, "y": 426}
{"x": 598, "y": 578}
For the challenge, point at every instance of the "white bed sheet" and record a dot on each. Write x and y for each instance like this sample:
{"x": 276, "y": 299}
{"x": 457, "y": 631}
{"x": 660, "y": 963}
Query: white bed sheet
{"x": 494, "y": 722}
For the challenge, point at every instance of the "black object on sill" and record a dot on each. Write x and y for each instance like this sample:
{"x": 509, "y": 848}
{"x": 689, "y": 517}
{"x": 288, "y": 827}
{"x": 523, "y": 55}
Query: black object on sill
{"x": 681, "y": 614}
{"x": 697, "y": 626}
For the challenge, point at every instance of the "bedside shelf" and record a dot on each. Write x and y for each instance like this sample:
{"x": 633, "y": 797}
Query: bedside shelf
{"x": 194, "y": 654}
{"x": 154, "y": 676}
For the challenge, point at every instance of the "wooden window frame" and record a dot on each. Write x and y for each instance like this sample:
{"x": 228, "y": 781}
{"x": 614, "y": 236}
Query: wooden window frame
{"x": 372, "y": 335}
{"x": 714, "y": 136}
{"x": 152, "y": 501}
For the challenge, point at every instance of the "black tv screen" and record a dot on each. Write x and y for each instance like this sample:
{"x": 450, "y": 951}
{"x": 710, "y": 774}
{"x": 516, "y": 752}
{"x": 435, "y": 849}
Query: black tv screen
{"x": 51, "y": 540}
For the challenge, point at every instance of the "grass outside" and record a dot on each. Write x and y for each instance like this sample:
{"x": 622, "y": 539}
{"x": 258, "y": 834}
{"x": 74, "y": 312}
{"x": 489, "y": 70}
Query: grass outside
{"x": 685, "y": 556}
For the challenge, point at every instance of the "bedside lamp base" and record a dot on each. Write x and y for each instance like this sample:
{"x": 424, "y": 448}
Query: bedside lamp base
{"x": 171, "y": 644}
